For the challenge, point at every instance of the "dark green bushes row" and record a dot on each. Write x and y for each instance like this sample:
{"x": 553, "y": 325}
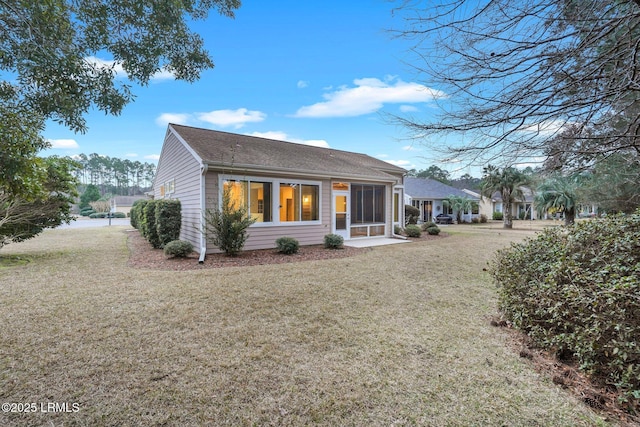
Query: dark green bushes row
{"x": 107, "y": 215}
{"x": 159, "y": 221}
{"x": 576, "y": 291}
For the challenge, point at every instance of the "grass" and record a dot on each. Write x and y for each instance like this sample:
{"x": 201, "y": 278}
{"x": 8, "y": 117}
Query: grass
{"x": 397, "y": 336}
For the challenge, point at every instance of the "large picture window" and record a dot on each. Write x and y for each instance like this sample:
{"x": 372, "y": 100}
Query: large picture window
{"x": 299, "y": 202}
{"x": 254, "y": 195}
{"x": 367, "y": 204}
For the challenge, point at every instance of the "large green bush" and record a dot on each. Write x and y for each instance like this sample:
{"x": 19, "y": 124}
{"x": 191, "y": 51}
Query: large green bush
{"x": 168, "y": 220}
{"x": 149, "y": 228}
{"x": 136, "y": 213}
{"x": 576, "y": 291}
{"x": 411, "y": 214}
{"x": 497, "y": 216}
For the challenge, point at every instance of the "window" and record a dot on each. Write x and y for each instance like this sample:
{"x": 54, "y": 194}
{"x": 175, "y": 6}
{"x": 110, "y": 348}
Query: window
{"x": 299, "y": 202}
{"x": 367, "y": 204}
{"x": 254, "y": 195}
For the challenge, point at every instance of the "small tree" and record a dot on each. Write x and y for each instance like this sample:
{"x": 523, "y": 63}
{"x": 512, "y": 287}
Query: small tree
{"x": 91, "y": 194}
{"x": 227, "y": 225}
{"x": 459, "y": 205}
{"x": 168, "y": 220}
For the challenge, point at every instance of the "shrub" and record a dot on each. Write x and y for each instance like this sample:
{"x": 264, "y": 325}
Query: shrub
{"x": 168, "y": 220}
{"x": 149, "y": 228}
{"x": 397, "y": 229}
{"x": 427, "y": 225}
{"x": 178, "y": 248}
{"x": 412, "y": 230}
{"x": 411, "y": 214}
{"x": 227, "y": 225}
{"x": 287, "y": 245}
{"x": 87, "y": 212}
{"x": 498, "y": 216}
{"x": 333, "y": 241}
{"x": 136, "y": 213}
{"x": 483, "y": 219}
{"x": 576, "y": 291}
{"x": 434, "y": 230}
{"x": 475, "y": 220}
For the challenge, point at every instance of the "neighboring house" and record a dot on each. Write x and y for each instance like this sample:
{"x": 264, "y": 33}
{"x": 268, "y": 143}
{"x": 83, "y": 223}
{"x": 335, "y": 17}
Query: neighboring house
{"x": 520, "y": 209}
{"x": 123, "y": 203}
{"x": 294, "y": 190}
{"x": 428, "y": 196}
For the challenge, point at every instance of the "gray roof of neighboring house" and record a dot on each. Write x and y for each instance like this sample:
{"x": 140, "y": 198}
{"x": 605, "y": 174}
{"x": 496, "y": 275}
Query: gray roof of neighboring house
{"x": 127, "y": 200}
{"x": 425, "y": 188}
{"x": 242, "y": 152}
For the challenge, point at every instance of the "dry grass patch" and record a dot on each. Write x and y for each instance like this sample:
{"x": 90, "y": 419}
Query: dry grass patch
{"x": 396, "y": 335}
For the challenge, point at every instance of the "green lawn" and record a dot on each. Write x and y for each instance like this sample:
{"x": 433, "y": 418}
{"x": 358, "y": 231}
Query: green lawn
{"x": 396, "y": 336}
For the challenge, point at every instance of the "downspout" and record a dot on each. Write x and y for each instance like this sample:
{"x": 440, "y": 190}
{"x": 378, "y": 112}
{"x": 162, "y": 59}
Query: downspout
{"x": 400, "y": 214}
{"x": 203, "y": 208}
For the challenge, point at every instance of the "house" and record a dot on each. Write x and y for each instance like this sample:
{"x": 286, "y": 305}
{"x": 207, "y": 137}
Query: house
{"x": 520, "y": 208}
{"x": 428, "y": 196}
{"x": 124, "y": 203}
{"x": 293, "y": 190}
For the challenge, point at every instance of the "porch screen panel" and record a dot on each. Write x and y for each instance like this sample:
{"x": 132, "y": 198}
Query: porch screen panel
{"x": 367, "y": 204}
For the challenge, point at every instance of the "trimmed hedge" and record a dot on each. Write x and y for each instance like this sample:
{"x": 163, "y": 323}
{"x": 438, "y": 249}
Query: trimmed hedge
{"x": 149, "y": 228}
{"x": 136, "y": 213}
{"x": 576, "y": 291}
{"x": 168, "y": 220}
{"x": 411, "y": 214}
{"x": 287, "y": 245}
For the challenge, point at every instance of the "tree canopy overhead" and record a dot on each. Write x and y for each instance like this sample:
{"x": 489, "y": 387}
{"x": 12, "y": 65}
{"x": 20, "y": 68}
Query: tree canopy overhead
{"x": 48, "y": 51}
{"x": 518, "y": 72}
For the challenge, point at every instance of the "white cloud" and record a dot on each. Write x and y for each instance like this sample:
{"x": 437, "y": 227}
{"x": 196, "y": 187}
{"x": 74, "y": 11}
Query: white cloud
{"x": 368, "y": 95}
{"x": 282, "y": 136}
{"x": 131, "y": 155}
{"x": 63, "y": 143}
{"x": 302, "y": 84}
{"x": 178, "y": 118}
{"x": 117, "y": 67}
{"x": 152, "y": 156}
{"x": 382, "y": 156}
{"x": 236, "y": 118}
{"x": 408, "y": 108}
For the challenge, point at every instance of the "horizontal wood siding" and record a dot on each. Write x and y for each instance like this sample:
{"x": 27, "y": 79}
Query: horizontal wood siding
{"x": 177, "y": 163}
{"x": 264, "y": 237}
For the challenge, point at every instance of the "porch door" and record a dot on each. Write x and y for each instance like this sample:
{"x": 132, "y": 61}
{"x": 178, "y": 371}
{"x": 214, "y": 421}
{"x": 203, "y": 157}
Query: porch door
{"x": 341, "y": 219}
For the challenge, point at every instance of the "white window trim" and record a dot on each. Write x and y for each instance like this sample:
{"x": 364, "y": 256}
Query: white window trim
{"x": 275, "y": 197}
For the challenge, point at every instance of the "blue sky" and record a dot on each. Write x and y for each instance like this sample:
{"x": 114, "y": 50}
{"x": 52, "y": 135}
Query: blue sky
{"x": 324, "y": 73}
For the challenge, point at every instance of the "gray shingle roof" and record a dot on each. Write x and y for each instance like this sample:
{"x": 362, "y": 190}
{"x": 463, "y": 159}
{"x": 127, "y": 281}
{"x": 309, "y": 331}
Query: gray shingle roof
{"x": 425, "y": 188}
{"x": 234, "y": 151}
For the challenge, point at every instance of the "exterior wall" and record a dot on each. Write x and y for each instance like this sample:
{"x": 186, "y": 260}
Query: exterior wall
{"x": 264, "y": 236}
{"x": 178, "y": 164}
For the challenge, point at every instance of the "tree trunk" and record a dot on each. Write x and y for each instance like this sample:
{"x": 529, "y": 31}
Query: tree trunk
{"x": 506, "y": 208}
{"x": 569, "y": 216}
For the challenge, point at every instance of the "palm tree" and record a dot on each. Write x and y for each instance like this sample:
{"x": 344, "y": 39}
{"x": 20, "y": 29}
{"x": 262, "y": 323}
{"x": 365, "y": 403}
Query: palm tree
{"x": 459, "y": 205}
{"x": 561, "y": 193}
{"x": 507, "y": 182}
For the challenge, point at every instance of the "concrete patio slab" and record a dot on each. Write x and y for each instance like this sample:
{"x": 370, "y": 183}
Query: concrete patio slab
{"x": 366, "y": 243}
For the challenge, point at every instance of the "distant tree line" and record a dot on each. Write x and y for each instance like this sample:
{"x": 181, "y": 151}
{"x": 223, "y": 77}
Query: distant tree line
{"x": 115, "y": 176}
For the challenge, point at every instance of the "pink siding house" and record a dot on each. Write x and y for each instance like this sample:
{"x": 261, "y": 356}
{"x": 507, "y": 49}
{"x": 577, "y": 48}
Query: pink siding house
{"x": 290, "y": 189}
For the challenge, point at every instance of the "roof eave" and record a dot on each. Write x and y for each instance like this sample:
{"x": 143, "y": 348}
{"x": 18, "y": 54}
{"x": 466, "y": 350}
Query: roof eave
{"x": 293, "y": 172}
